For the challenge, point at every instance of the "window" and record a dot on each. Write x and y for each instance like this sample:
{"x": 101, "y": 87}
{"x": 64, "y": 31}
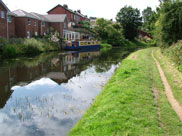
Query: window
{"x": 2, "y": 14}
{"x": 43, "y": 24}
{"x": 29, "y": 21}
{"x": 9, "y": 19}
{"x": 35, "y": 23}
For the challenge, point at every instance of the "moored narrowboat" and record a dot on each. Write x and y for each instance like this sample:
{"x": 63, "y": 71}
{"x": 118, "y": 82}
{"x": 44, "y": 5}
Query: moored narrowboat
{"x": 79, "y": 45}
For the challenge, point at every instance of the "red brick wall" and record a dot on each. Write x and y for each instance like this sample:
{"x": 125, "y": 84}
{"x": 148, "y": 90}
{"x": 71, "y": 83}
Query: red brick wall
{"x": 11, "y": 27}
{"x": 61, "y": 10}
{"x": 56, "y": 27}
{"x": 43, "y": 29}
{"x": 3, "y": 23}
{"x": 22, "y": 27}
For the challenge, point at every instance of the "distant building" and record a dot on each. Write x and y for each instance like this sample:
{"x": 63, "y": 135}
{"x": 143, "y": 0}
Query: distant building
{"x": 7, "y": 21}
{"x": 26, "y": 25}
{"x": 20, "y": 23}
{"x": 74, "y": 17}
{"x": 93, "y": 21}
{"x": 34, "y": 24}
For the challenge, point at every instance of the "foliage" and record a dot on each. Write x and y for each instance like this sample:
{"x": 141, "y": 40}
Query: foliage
{"x": 3, "y": 41}
{"x": 19, "y": 46}
{"x": 129, "y": 18}
{"x": 174, "y": 52}
{"x": 169, "y": 24}
{"x": 32, "y": 46}
{"x": 149, "y": 20}
{"x": 108, "y": 32}
{"x": 9, "y": 50}
{"x": 105, "y": 45}
{"x": 85, "y": 24}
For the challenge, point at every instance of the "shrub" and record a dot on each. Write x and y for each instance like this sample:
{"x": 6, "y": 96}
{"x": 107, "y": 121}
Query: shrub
{"x": 174, "y": 52}
{"x": 3, "y": 41}
{"x": 9, "y": 50}
{"x": 32, "y": 46}
{"x": 105, "y": 45}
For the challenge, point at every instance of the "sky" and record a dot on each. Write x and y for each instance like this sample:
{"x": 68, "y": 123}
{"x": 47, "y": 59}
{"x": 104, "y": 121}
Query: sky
{"x": 95, "y": 8}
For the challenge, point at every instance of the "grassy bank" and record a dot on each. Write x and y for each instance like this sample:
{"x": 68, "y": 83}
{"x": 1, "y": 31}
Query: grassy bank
{"x": 18, "y": 46}
{"x": 126, "y": 106}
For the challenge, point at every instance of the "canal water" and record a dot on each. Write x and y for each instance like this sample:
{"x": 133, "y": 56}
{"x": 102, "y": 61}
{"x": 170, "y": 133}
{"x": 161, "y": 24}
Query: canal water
{"x": 46, "y": 95}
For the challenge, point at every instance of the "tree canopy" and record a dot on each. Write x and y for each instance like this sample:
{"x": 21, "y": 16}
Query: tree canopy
{"x": 130, "y": 20}
{"x": 149, "y": 19}
{"x": 169, "y": 24}
{"x": 109, "y": 32}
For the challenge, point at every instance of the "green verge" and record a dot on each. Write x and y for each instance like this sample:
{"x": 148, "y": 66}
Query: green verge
{"x": 126, "y": 105}
{"x": 173, "y": 76}
{"x": 172, "y": 125}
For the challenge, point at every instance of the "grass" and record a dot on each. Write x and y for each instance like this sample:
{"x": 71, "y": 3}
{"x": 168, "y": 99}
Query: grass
{"x": 18, "y": 46}
{"x": 126, "y": 105}
{"x": 172, "y": 125}
{"x": 173, "y": 76}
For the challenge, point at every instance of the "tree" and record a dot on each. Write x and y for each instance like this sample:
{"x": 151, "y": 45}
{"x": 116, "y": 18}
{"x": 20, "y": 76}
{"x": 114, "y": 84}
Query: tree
{"x": 101, "y": 28}
{"x": 109, "y": 32}
{"x": 130, "y": 20}
{"x": 149, "y": 18}
{"x": 169, "y": 24}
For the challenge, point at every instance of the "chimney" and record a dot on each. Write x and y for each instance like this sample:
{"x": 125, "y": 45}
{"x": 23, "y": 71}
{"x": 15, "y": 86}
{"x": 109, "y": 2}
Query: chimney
{"x": 79, "y": 11}
{"x": 65, "y": 5}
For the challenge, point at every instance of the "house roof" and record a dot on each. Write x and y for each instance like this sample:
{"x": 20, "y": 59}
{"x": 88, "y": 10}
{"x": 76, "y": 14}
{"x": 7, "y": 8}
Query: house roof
{"x": 12, "y": 14}
{"x": 56, "y": 17}
{"x": 22, "y": 13}
{"x": 39, "y": 16}
{"x": 4, "y": 5}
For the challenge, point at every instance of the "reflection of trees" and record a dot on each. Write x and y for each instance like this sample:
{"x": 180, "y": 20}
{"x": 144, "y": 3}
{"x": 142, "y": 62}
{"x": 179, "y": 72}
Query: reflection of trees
{"x": 109, "y": 57}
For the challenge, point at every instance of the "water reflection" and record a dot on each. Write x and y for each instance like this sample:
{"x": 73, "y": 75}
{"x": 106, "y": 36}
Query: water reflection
{"x": 47, "y": 95}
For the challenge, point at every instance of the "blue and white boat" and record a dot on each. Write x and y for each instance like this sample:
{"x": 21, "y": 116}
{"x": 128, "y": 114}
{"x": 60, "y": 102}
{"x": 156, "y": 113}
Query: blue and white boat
{"x": 82, "y": 45}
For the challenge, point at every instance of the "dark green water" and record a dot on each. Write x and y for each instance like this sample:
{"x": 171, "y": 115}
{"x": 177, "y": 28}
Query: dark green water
{"x": 46, "y": 95}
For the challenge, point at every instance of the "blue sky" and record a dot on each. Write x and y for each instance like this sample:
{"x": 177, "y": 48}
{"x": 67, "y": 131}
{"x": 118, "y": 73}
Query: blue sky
{"x": 98, "y": 8}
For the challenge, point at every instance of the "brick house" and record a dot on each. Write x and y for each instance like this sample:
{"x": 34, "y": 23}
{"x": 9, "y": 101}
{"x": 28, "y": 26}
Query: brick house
{"x": 43, "y": 25}
{"x": 7, "y": 21}
{"x": 73, "y": 16}
{"x": 26, "y": 25}
{"x": 59, "y": 22}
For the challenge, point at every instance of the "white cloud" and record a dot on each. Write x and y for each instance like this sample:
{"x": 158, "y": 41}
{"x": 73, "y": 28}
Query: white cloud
{"x": 99, "y": 8}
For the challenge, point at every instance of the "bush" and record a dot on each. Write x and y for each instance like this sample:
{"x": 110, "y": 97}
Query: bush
{"x": 105, "y": 45}
{"x": 168, "y": 26}
{"x": 9, "y": 50}
{"x": 175, "y": 54}
{"x": 33, "y": 46}
{"x": 3, "y": 41}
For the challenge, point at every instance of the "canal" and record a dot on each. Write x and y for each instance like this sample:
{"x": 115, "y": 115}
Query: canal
{"x": 46, "y": 95}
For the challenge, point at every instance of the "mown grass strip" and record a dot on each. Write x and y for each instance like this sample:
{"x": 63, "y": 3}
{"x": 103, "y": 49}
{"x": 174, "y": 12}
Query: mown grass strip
{"x": 126, "y": 105}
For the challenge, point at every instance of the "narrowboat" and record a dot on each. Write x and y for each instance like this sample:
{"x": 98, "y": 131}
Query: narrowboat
{"x": 82, "y": 45}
